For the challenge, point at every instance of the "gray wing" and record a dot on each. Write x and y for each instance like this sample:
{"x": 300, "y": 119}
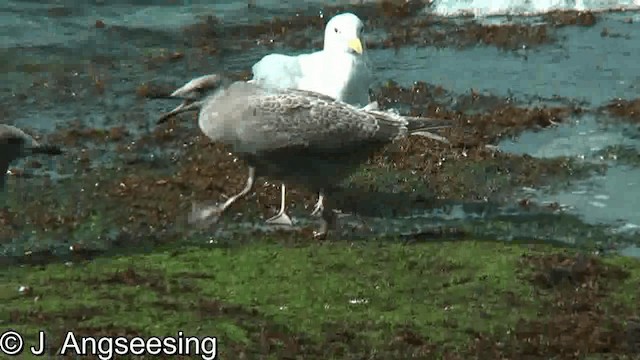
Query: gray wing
{"x": 299, "y": 118}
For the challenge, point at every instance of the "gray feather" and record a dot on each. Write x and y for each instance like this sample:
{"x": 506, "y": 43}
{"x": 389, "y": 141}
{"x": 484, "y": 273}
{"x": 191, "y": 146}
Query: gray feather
{"x": 255, "y": 119}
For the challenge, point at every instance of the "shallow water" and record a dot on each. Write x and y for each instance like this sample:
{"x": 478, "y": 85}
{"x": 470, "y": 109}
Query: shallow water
{"x": 53, "y": 63}
{"x": 610, "y": 198}
{"x": 519, "y": 7}
{"x": 583, "y": 67}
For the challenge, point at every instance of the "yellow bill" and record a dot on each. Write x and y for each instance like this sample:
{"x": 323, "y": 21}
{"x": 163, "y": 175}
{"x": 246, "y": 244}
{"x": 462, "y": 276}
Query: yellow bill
{"x": 355, "y": 45}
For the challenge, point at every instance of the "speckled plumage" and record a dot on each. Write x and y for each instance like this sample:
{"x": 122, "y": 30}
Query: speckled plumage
{"x": 340, "y": 70}
{"x": 254, "y": 120}
{"x": 295, "y": 136}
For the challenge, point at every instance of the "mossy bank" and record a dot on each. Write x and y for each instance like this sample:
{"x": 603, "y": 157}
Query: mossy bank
{"x": 342, "y": 300}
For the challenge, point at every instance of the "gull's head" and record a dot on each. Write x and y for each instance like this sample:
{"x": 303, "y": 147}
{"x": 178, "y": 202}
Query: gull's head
{"x": 193, "y": 94}
{"x": 199, "y": 87}
{"x": 344, "y": 33}
{"x": 15, "y": 143}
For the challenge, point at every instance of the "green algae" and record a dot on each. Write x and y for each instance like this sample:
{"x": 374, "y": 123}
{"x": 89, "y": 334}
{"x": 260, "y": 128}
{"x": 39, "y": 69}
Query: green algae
{"x": 367, "y": 293}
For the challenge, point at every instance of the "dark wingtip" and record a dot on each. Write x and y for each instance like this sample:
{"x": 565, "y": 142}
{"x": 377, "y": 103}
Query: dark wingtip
{"x": 48, "y": 150}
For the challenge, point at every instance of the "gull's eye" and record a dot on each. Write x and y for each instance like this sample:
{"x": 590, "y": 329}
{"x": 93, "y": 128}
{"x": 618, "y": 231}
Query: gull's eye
{"x": 336, "y": 30}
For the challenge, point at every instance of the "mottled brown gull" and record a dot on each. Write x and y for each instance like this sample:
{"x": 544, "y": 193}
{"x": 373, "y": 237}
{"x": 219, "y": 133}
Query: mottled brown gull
{"x": 340, "y": 70}
{"x": 15, "y": 144}
{"x": 295, "y": 136}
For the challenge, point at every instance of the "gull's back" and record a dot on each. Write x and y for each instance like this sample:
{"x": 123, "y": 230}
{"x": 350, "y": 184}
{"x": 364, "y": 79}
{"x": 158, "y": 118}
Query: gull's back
{"x": 341, "y": 76}
{"x": 255, "y": 119}
{"x": 278, "y": 70}
{"x": 296, "y": 135}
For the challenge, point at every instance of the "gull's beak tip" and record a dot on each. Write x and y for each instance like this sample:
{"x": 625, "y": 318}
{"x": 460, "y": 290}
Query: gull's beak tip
{"x": 355, "y": 45}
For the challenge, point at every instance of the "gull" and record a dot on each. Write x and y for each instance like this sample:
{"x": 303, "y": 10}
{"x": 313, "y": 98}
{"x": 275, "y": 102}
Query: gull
{"x": 340, "y": 70}
{"x": 295, "y": 136}
{"x": 15, "y": 144}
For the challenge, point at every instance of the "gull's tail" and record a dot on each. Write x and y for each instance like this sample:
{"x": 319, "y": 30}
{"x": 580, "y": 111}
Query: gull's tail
{"x": 424, "y": 126}
{"x": 421, "y": 126}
